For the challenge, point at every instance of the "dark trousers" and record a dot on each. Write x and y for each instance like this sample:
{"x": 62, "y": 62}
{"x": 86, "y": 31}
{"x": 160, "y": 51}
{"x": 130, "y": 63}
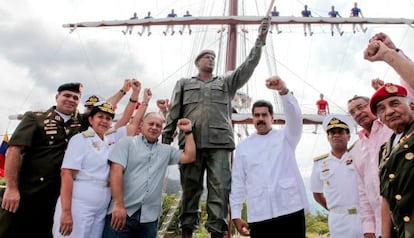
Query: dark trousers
{"x": 132, "y": 229}
{"x": 34, "y": 216}
{"x": 290, "y": 225}
{"x": 216, "y": 163}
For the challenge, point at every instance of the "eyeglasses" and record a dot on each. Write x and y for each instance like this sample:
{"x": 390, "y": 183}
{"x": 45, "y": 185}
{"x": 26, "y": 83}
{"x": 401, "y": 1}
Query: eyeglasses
{"x": 359, "y": 107}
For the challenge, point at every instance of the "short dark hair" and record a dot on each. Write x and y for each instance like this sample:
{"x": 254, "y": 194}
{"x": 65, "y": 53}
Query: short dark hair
{"x": 356, "y": 97}
{"x": 263, "y": 103}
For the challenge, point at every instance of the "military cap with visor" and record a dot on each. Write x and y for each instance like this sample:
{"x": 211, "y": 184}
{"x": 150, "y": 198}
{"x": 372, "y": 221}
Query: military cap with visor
{"x": 105, "y": 107}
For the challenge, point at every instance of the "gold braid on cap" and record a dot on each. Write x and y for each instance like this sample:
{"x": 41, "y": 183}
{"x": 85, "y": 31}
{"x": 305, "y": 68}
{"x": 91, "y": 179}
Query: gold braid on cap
{"x": 336, "y": 123}
{"x": 106, "y": 107}
{"x": 91, "y": 100}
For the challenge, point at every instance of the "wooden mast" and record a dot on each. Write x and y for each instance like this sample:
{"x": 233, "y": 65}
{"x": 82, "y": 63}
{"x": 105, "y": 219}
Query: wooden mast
{"x": 232, "y": 38}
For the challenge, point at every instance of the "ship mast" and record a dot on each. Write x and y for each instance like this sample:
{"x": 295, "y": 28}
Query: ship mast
{"x": 232, "y": 38}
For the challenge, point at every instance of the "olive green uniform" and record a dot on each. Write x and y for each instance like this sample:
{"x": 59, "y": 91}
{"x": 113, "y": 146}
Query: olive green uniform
{"x": 44, "y": 136}
{"x": 207, "y": 103}
{"x": 397, "y": 181}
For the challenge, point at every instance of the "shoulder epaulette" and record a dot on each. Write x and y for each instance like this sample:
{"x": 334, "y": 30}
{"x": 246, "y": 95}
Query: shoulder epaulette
{"x": 38, "y": 112}
{"x": 88, "y": 133}
{"x": 321, "y": 157}
{"x": 110, "y": 131}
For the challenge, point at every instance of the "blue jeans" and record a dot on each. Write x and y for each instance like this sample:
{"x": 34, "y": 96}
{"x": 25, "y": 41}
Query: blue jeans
{"x": 132, "y": 229}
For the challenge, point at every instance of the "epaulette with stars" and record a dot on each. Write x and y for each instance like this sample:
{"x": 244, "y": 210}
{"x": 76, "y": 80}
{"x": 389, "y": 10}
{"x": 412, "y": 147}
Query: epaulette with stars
{"x": 88, "y": 133}
{"x": 38, "y": 112}
{"x": 321, "y": 157}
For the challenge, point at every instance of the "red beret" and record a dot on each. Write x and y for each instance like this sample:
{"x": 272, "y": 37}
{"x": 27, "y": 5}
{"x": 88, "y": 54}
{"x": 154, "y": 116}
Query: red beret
{"x": 386, "y": 91}
{"x": 203, "y": 52}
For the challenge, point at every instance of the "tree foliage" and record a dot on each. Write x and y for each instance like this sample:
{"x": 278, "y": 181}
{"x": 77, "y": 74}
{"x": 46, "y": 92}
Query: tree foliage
{"x": 315, "y": 224}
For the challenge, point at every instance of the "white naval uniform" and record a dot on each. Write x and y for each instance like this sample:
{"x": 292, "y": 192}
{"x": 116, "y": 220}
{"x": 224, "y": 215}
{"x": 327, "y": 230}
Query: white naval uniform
{"x": 336, "y": 179}
{"x": 88, "y": 154}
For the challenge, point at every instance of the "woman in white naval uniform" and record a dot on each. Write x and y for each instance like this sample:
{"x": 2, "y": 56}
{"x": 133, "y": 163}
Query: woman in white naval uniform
{"x": 85, "y": 194}
{"x": 333, "y": 181}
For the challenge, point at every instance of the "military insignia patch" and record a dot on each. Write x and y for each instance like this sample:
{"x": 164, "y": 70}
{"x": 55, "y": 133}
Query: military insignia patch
{"x": 391, "y": 89}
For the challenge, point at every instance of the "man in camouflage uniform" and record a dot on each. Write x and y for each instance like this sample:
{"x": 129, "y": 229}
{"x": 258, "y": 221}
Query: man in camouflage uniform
{"x": 33, "y": 162}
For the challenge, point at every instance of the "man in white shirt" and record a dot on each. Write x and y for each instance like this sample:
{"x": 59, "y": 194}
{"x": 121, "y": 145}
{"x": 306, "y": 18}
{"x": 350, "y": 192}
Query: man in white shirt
{"x": 265, "y": 172}
{"x": 334, "y": 183}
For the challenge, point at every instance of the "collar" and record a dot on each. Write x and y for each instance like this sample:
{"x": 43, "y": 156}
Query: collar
{"x": 376, "y": 126}
{"x": 144, "y": 139}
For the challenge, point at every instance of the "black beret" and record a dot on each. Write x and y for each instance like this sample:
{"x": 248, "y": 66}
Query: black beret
{"x": 74, "y": 87}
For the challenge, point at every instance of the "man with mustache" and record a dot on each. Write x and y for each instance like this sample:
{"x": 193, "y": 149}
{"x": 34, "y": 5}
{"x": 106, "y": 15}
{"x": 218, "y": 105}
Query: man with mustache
{"x": 392, "y": 106}
{"x": 333, "y": 181}
{"x": 265, "y": 172}
{"x": 33, "y": 162}
{"x": 373, "y": 135}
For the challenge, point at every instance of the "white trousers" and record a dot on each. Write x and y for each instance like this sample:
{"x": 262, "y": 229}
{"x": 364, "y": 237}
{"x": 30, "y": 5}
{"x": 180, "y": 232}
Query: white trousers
{"x": 90, "y": 202}
{"x": 342, "y": 225}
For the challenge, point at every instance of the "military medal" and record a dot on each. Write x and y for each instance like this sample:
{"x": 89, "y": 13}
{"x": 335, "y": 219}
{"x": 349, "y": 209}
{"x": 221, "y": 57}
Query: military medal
{"x": 348, "y": 161}
{"x": 325, "y": 167}
{"x": 96, "y": 145}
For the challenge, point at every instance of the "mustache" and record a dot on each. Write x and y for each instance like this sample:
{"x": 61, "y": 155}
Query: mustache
{"x": 261, "y": 123}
